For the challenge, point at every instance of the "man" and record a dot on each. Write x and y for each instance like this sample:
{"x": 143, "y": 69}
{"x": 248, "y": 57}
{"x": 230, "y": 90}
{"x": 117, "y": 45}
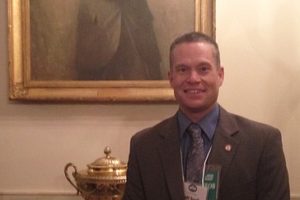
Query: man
{"x": 249, "y": 153}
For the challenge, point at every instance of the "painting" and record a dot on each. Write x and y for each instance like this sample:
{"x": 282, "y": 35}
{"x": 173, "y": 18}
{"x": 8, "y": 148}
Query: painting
{"x": 98, "y": 51}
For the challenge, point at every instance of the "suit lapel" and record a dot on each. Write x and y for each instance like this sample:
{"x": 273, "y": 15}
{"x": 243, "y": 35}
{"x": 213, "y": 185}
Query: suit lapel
{"x": 170, "y": 157}
{"x": 224, "y": 144}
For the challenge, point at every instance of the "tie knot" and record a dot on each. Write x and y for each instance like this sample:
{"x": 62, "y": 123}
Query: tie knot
{"x": 194, "y": 130}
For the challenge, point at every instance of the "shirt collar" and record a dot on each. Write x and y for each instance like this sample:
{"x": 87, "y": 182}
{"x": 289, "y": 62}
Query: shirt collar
{"x": 208, "y": 123}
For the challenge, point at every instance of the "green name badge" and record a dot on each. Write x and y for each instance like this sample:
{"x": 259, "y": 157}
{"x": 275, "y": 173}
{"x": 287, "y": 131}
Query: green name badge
{"x": 212, "y": 181}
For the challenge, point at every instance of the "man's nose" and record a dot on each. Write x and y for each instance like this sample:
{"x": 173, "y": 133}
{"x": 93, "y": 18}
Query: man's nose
{"x": 194, "y": 76}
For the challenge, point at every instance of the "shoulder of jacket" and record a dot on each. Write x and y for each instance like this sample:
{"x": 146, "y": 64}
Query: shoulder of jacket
{"x": 247, "y": 124}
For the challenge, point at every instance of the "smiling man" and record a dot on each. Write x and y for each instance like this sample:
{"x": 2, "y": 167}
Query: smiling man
{"x": 196, "y": 76}
{"x": 203, "y": 151}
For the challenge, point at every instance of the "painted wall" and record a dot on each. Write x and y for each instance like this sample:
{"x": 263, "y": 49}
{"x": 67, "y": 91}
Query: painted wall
{"x": 260, "y": 49}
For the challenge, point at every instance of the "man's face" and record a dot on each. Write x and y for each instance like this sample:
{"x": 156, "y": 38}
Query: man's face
{"x": 195, "y": 76}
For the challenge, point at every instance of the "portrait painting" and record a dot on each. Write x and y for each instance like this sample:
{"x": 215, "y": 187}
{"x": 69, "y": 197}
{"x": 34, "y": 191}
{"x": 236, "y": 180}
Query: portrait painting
{"x": 111, "y": 50}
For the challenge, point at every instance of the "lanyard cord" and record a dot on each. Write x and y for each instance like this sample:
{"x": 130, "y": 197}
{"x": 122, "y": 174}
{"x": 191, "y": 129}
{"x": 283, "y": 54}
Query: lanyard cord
{"x": 204, "y": 166}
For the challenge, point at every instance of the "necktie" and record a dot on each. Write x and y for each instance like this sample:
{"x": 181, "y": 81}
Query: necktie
{"x": 196, "y": 155}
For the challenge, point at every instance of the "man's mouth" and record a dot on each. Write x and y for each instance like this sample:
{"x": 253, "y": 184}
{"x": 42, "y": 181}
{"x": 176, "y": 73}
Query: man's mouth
{"x": 193, "y": 91}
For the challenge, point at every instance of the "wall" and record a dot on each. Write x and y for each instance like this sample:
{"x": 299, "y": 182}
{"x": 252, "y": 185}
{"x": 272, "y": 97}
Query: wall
{"x": 260, "y": 46}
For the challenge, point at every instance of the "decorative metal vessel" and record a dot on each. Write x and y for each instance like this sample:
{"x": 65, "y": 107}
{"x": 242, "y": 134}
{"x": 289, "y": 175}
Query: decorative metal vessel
{"x": 104, "y": 179}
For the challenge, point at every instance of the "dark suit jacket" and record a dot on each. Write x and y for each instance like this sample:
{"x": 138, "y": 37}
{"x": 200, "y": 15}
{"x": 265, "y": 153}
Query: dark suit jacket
{"x": 254, "y": 168}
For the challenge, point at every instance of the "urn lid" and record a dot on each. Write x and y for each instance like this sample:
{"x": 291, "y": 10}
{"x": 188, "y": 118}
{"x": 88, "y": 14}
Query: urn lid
{"x": 107, "y": 167}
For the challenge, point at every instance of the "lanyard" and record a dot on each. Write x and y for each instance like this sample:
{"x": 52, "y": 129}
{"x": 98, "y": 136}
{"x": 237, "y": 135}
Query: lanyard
{"x": 204, "y": 165}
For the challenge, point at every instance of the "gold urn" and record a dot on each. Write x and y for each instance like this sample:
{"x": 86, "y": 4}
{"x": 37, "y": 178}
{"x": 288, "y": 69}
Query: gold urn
{"x": 104, "y": 179}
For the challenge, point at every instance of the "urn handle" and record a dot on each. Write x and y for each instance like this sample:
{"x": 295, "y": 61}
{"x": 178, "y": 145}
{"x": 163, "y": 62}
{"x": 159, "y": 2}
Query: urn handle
{"x": 68, "y": 177}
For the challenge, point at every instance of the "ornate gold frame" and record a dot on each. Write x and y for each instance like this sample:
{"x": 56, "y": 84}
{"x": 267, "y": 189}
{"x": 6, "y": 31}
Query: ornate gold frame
{"x": 21, "y": 88}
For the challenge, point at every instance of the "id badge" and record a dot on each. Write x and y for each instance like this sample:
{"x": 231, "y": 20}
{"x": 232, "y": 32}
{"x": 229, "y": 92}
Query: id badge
{"x": 212, "y": 181}
{"x": 194, "y": 191}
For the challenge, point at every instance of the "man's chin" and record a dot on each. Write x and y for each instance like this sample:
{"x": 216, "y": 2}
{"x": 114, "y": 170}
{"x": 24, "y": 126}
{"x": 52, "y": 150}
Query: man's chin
{"x": 195, "y": 107}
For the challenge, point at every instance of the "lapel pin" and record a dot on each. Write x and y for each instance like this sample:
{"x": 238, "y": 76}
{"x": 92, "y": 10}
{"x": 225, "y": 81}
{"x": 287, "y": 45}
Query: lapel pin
{"x": 228, "y": 147}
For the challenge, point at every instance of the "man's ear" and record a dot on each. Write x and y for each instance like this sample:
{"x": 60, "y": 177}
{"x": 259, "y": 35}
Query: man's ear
{"x": 221, "y": 75}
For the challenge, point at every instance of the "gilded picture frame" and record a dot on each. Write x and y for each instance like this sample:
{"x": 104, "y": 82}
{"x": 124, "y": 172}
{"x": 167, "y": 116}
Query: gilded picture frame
{"x": 26, "y": 88}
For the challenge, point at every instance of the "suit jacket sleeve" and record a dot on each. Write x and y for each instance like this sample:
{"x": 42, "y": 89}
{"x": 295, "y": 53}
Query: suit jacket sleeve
{"x": 134, "y": 187}
{"x": 272, "y": 176}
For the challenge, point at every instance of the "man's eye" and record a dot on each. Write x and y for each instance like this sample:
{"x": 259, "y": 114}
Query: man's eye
{"x": 203, "y": 69}
{"x": 181, "y": 69}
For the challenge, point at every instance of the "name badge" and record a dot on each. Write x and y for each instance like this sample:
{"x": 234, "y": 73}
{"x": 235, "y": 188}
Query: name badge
{"x": 209, "y": 191}
{"x": 212, "y": 181}
{"x": 194, "y": 191}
